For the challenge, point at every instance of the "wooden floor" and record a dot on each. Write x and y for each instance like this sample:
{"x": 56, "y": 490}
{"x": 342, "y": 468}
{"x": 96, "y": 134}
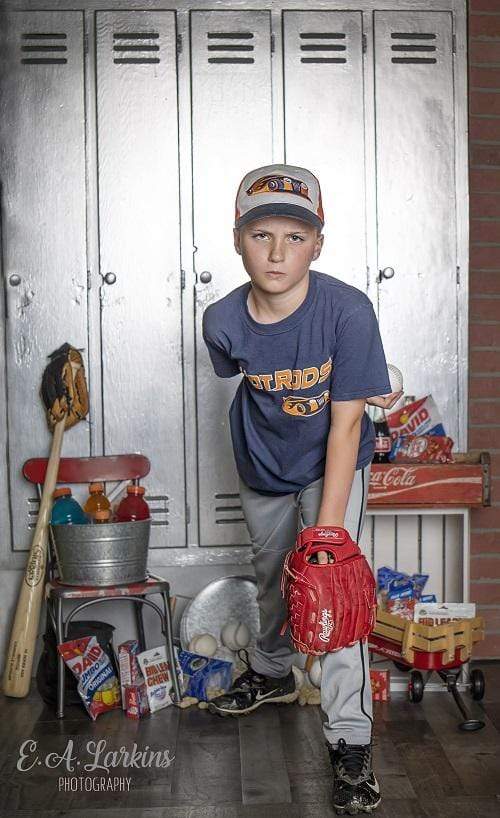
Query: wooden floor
{"x": 272, "y": 764}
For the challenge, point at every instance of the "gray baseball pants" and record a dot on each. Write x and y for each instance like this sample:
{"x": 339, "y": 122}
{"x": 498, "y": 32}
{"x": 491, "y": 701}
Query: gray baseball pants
{"x": 273, "y": 523}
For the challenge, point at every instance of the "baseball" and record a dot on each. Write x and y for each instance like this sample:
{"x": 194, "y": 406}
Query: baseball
{"x": 395, "y": 378}
{"x": 235, "y": 635}
{"x": 315, "y": 673}
{"x": 204, "y": 644}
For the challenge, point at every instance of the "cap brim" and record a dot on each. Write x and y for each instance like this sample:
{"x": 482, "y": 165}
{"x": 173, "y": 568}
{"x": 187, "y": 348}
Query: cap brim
{"x": 280, "y": 209}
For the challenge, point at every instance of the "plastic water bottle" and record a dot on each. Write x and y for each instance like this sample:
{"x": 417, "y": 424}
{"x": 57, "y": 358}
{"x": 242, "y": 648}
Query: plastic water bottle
{"x": 102, "y": 516}
{"x": 66, "y": 510}
{"x": 133, "y": 506}
{"x": 97, "y": 500}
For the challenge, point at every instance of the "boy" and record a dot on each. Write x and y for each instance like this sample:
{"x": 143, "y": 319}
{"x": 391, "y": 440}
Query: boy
{"x": 310, "y": 352}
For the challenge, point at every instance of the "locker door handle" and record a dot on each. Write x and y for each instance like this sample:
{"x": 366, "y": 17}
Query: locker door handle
{"x": 14, "y": 280}
{"x": 110, "y": 278}
{"x": 387, "y": 272}
{"x": 205, "y": 277}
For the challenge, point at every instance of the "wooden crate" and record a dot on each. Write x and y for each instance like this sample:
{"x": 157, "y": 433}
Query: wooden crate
{"x": 466, "y": 482}
{"x": 412, "y": 636}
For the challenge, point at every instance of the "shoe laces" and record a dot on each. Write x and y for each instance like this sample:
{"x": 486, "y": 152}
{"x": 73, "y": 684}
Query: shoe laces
{"x": 354, "y": 759}
{"x": 249, "y": 678}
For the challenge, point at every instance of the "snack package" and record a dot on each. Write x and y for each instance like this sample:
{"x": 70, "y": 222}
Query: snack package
{"x": 157, "y": 676}
{"x": 404, "y": 607}
{"x": 97, "y": 682}
{"x": 204, "y": 678}
{"x": 422, "y": 449}
{"x": 130, "y": 673}
{"x": 398, "y": 592}
{"x": 442, "y": 612}
{"x": 385, "y": 575}
{"x": 136, "y": 700}
{"x": 418, "y": 418}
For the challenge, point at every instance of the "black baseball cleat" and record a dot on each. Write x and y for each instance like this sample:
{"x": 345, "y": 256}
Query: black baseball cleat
{"x": 355, "y": 788}
{"x": 252, "y": 689}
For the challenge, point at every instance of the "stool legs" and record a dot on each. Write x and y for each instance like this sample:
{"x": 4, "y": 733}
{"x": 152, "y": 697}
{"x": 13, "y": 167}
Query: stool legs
{"x": 169, "y": 640}
{"x": 60, "y": 660}
{"x": 139, "y": 619}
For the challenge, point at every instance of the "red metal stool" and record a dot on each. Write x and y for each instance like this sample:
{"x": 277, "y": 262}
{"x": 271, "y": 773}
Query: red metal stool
{"x": 89, "y": 470}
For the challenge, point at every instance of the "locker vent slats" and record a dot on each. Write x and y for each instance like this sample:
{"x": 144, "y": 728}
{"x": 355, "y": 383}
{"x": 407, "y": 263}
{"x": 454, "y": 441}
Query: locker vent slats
{"x": 416, "y": 35}
{"x": 158, "y": 506}
{"x": 33, "y": 506}
{"x": 133, "y": 48}
{"x": 410, "y": 47}
{"x": 230, "y": 47}
{"x": 39, "y": 49}
{"x": 322, "y": 47}
{"x": 233, "y": 507}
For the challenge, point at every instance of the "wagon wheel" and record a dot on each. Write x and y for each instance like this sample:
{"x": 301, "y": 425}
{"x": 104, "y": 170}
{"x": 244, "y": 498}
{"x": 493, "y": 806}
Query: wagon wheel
{"x": 416, "y": 687}
{"x": 477, "y": 684}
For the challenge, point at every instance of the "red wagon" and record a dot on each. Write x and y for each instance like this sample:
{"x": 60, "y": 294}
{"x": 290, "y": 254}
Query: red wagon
{"x": 443, "y": 649}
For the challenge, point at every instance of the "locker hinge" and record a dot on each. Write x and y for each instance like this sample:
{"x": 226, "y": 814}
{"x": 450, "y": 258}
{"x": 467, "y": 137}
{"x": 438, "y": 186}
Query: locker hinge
{"x": 85, "y": 43}
{"x": 453, "y": 44}
{"x": 458, "y": 275}
{"x": 365, "y": 43}
{"x": 183, "y": 279}
{"x": 89, "y": 280}
{"x": 188, "y": 513}
{"x": 272, "y": 44}
{"x": 178, "y": 43}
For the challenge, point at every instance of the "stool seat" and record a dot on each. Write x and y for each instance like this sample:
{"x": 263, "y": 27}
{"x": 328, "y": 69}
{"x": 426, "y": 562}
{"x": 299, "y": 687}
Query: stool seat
{"x": 57, "y": 589}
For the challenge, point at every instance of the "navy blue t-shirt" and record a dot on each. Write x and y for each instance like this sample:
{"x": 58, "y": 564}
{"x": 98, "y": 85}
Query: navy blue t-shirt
{"x": 328, "y": 349}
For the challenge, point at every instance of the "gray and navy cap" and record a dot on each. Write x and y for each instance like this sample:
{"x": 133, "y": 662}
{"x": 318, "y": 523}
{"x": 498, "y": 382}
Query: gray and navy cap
{"x": 279, "y": 190}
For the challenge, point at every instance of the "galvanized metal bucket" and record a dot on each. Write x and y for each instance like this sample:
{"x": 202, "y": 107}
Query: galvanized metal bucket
{"x": 102, "y": 555}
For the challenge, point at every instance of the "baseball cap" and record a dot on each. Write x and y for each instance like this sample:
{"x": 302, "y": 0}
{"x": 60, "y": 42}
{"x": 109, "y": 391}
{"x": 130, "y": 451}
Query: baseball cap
{"x": 279, "y": 190}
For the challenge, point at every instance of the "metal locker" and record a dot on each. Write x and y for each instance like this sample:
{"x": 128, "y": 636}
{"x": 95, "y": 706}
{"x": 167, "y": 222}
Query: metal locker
{"x": 42, "y": 169}
{"x": 232, "y": 132}
{"x": 323, "y": 98}
{"x": 137, "y": 115}
{"x": 416, "y": 203}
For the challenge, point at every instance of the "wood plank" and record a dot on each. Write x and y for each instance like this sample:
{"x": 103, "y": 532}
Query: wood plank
{"x": 473, "y": 756}
{"x": 424, "y": 760}
{"x": 264, "y": 777}
{"x": 387, "y": 763}
{"x": 207, "y": 768}
{"x": 150, "y": 784}
{"x": 306, "y": 755}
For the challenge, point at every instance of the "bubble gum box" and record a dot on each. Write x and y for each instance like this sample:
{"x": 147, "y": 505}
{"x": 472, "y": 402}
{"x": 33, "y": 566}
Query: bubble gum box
{"x": 204, "y": 678}
{"x": 136, "y": 701}
{"x": 130, "y": 673}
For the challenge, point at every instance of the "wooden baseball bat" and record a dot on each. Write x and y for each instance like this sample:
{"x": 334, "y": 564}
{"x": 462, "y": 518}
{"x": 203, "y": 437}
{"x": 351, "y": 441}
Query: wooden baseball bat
{"x": 17, "y": 673}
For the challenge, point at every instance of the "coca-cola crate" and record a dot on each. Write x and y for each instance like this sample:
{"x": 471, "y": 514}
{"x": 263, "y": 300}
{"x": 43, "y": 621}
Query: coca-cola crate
{"x": 466, "y": 482}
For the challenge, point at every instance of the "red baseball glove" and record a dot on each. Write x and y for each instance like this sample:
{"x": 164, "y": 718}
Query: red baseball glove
{"x": 330, "y": 606}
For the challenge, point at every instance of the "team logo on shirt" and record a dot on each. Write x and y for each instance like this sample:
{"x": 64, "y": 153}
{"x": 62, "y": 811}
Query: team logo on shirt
{"x": 299, "y": 405}
{"x": 290, "y": 378}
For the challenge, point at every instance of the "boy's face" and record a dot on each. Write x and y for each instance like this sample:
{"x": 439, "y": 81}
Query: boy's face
{"x": 277, "y": 251}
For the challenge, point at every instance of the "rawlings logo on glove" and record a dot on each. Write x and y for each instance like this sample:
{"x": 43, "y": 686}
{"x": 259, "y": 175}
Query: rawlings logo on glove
{"x": 331, "y": 605}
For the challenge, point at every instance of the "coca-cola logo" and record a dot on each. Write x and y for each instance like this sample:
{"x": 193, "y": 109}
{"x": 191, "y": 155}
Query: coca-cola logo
{"x": 397, "y": 476}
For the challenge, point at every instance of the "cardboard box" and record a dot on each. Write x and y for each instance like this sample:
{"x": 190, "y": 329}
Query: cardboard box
{"x": 203, "y": 677}
{"x": 129, "y": 667}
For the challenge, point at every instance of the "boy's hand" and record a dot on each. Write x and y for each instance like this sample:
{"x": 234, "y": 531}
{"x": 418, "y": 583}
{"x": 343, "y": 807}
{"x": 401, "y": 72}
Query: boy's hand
{"x": 385, "y": 401}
